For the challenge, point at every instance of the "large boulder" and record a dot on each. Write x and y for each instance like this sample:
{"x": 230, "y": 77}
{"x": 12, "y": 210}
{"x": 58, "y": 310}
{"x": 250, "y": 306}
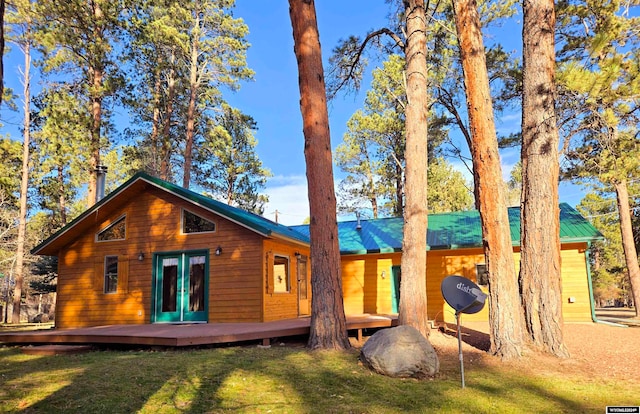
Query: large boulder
{"x": 400, "y": 352}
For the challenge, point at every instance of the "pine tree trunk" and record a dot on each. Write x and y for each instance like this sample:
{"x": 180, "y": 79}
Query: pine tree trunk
{"x": 191, "y": 109}
{"x": 505, "y": 314}
{"x": 24, "y": 187}
{"x": 413, "y": 289}
{"x": 62, "y": 199}
{"x": 328, "y": 322}
{"x": 2, "y": 11}
{"x": 540, "y": 279}
{"x": 628, "y": 244}
{"x": 399, "y": 191}
{"x": 96, "y": 76}
{"x": 153, "y": 165}
{"x": 165, "y": 164}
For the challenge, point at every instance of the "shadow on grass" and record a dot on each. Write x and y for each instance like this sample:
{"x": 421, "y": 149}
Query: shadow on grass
{"x": 248, "y": 379}
{"x": 477, "y": 339}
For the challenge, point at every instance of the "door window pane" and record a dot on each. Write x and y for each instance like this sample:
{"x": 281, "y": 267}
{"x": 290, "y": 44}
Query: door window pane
{"x": 196, "y": 283}
{"x": 302, "y": 277}
{"x": 169, "y": 284}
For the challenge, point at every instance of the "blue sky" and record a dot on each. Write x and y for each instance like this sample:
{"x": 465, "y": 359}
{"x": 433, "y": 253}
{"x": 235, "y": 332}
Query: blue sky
{"x": 273, "y": 97}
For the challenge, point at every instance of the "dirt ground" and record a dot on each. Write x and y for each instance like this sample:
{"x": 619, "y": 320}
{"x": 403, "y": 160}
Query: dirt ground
{"x": 597, "y": 349}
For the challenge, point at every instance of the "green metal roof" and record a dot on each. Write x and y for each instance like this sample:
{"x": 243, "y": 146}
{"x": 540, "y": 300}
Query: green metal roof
{"x": 246, "y": 219}
{"x": 446, "y": 230}
{"x": 243, "y": 218}
{"x": 454, "y": 230}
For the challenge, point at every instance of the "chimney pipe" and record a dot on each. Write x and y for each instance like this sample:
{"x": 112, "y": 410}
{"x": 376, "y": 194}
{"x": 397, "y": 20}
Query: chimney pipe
{"x": 358, "y": 225}
{"x": 101, "y": 175}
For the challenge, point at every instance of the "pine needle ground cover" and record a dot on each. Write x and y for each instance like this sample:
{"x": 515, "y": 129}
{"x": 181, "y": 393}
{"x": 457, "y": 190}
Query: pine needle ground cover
{"x": 291, "y": 379}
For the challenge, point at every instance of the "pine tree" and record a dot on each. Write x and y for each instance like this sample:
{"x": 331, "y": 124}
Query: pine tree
{"x": 540, "y": 279}
{"x": 600, "y": 78}
{"x": 79, "y": 38}
{"x": 507, "y": 325}
{"x": 328, "y": 322}
{"x": 227, "y": 164}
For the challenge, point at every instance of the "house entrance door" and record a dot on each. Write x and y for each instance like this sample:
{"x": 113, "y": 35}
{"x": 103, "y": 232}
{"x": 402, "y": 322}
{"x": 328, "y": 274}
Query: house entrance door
{"x": 180, "y": 287}
{"x": 396, "y": 280}
{"x": 303, "y": 286}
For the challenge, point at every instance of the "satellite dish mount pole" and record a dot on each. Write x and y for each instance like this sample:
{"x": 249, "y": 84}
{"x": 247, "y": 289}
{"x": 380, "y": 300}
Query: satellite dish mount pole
{"x": 460, "y": 349}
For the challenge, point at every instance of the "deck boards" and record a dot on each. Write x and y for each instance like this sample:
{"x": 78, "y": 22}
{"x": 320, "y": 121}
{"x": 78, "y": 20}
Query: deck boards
{"x": 179, "y": 335}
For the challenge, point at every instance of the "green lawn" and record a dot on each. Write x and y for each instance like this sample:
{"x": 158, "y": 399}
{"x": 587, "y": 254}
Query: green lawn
{"x": 281, "y": 380}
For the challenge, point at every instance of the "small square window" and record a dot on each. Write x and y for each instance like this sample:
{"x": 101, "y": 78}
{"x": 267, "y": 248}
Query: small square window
{"x": 482, "y": 274}
{"x": 110, "y": 274}
{"x": 193, "y": 223}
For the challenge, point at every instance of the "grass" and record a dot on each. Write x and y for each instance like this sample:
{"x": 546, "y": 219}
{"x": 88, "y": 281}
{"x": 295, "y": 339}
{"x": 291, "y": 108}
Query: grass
{"x": 282, "y": 380}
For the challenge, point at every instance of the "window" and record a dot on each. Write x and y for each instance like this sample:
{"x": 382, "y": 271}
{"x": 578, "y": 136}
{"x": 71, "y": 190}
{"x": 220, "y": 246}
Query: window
{"x": 110, "y": 274}
{"x": 192, "y": 223}
{"x": 482, "y": 274}
{"x": 114, "y": 231}
{"x": 280, "y": 274}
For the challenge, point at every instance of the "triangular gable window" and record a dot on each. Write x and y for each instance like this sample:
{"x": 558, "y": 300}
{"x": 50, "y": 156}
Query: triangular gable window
{"x": 193, "y": 223}
{"x": 115, "y": 231}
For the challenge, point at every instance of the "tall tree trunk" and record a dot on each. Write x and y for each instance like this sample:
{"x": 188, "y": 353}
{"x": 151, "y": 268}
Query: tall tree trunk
{"x": 62, "y": 199}
{"x": 2, "y": 10}
{"x": 154, "y": 163}
{"x": 399, "y": 191}
{"x": 96, "y": 73}
{"x": 24, "y": 186}
{"x": 540, "y": 279}
{"x": 505, "y": 314}
{"x": 165, "y": 163}
{"x": 413, "y": 289}
{"x": 328, "y": 322}
{"x": 628, "y": 244}
{"x": 193, "y": 96}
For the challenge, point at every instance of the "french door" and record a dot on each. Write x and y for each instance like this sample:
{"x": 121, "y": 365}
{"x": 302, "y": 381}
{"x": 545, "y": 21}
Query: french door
{"x": 180, "y": 287}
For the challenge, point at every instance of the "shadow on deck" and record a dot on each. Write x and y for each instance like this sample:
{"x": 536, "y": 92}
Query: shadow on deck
{"x": 180, "y": 335}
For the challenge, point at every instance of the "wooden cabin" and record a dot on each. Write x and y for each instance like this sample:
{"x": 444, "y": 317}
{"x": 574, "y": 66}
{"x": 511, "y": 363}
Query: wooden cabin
{"x": 154, "y": 252}
{"x": 371, "y": 252}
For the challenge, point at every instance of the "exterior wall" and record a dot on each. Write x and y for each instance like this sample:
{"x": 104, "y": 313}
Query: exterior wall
{"x": 153, "y": 222}
{"x": 574, "y": 282}
{"x": 365, "y": 291}
{"x": 443, "y": 263}
{"x": 576, "y": 301}
{"x": 364, "y": 288}
{"x": 283, "y": 305}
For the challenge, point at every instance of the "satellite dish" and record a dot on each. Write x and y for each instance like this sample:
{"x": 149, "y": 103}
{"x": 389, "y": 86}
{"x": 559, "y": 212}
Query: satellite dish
{"x": 465, "y": 297}
{"x": 462, "y": 294}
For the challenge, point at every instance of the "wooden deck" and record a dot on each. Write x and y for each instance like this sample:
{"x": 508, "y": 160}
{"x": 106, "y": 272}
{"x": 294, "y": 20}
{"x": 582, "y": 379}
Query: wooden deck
{"x": 179, "y": 335}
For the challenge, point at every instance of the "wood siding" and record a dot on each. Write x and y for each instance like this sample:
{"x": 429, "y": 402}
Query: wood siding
{"x": 575, "y": 284}
{"x": 153, "y": 224}
{"x": 241, "y": 284}
{"x": 365, "y": 288}
{"x": 365, "y": 291}
{"x": 282, "y": 305}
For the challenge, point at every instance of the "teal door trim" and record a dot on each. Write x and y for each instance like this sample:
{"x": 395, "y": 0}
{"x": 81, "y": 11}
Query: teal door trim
{"x": 396, "y": 277}
{"x": 180, "y": 286}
